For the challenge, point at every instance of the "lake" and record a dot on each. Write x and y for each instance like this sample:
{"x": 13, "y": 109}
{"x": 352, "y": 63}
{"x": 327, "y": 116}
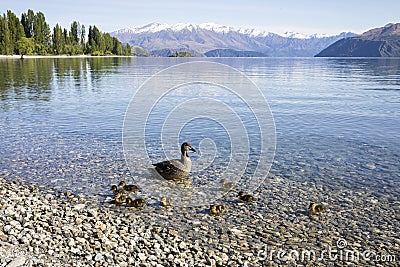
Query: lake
{"x": 337, "y": 122}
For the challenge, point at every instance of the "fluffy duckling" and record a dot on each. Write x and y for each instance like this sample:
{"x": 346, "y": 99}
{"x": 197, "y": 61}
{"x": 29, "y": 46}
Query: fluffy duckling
{"x": 246, "y": 198}
{"x": 129, "y": 187}
{"x": 138, "y": 203}
{"x": 117, "y": 191}
{"x": 227, "y": 185}
{"x": 166, "y": 202}
{"x": 217, "y": 209}
{"x": 119, "y": 198}
{"x": 315, "y": 209}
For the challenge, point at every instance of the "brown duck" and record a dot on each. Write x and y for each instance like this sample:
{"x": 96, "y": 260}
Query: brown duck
{"x": 176, "y": 169}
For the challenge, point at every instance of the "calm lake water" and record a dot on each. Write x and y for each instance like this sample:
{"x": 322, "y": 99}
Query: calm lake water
{"x": 337, "y": 120}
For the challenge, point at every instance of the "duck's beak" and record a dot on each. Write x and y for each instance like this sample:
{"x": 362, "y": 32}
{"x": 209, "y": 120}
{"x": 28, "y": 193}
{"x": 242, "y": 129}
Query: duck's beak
{"x": 192, "y": 149}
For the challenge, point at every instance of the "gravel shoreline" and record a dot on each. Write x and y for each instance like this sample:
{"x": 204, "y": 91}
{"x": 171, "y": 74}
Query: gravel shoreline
{"x": 43, "y": 227}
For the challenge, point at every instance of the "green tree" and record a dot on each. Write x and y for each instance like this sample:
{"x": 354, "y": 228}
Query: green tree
{"x": 16, "y": 30}
{"x": 73, "y": 39}
{"x": 82, "y": 41}
{"x": 127, "y": 50}
{"x": 58, "y": 40}
{"x": 27, "y": 20}
{"x": 107, "y": 43}
{"x": 5, "y": 39}
{"x": 117, "y": 47}
{"x": 96, "y": 44}
{"x": 90, "y": 44}
{"x": 99, "y": 40}
{"x": 41, "y": 34}
{"x": 75, "y": 32}
{"x": 25, "y": 46}
{"x": 66, "y": 37}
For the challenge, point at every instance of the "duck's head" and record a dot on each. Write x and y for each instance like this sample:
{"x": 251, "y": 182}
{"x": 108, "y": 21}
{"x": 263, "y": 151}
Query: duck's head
{"x": 114, "y": 187}
{"x": 241, "y": 193}
{"x": 122, "y": 183}
{"x": 312, "y": 206}
{"x": 186, "y": 147}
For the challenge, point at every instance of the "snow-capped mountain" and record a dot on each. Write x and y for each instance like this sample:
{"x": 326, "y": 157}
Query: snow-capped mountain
{"x": 198, "y": 39}
{"x": 299, "y": 35}
{"x": 158, "y": 27}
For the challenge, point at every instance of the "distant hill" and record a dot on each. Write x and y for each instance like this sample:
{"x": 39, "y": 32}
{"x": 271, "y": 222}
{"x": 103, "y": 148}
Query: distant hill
{"x": 233, "y": 53}
{"x": 378, "y": 42}
{"x": 164, "y": 39}
{"x": 140, "y": 52}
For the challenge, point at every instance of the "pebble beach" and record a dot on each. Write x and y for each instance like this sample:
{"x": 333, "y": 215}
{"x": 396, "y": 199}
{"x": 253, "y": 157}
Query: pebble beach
{"x": 43, "y": 227}
{"x": 337, "y": 129}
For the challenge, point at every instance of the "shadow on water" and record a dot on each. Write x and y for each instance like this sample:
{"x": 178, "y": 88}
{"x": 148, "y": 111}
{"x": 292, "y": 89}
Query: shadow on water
{"x": 58, "y": 118}
{"x": 382, "y": 70}
{"x": 25, "y": 79}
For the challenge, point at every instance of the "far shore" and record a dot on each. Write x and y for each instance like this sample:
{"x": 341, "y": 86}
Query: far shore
{"x": 55, "y": 56}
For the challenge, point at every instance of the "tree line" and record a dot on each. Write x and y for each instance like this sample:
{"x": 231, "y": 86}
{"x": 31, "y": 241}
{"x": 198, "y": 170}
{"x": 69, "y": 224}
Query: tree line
{"x": 31, "y": 35}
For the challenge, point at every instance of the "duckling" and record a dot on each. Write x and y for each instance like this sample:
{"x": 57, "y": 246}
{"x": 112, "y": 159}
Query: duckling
{"x": 138, "y": 203}
{"x": 315, "y": 209}
{"x": 166, "y": 202}
{"x": 246, "y": 198}
{"x": 119, "y": 198}
{"x": 217, "y": 209}
{"x": 129, "y": 187}
{"x": 117, "y": 191}
{"x": 227, "y": 185}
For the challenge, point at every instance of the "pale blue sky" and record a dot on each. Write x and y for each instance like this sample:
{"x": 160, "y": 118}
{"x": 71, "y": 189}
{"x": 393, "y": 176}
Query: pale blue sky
{"x": 330, "y": 17}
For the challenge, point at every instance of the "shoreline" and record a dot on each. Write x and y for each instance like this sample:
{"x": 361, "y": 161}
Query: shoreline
{"x": 57, "y": 56}
{"x": 43, "y": 226}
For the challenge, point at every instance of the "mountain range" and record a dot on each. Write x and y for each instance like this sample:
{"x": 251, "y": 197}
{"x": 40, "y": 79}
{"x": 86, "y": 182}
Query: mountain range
{"x": 378, "y": 42}
{"x": 210, "y": 39}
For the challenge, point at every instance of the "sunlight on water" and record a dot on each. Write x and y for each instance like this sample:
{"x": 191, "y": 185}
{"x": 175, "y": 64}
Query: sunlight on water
{"x": 337, "y": 120}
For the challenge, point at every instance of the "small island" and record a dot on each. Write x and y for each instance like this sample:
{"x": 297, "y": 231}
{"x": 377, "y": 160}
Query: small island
{"x": 181, "y": 54}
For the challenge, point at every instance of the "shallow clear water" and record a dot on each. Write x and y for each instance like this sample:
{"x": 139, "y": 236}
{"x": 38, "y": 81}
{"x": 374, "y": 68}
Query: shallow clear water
{"x": 337, "y": 120}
